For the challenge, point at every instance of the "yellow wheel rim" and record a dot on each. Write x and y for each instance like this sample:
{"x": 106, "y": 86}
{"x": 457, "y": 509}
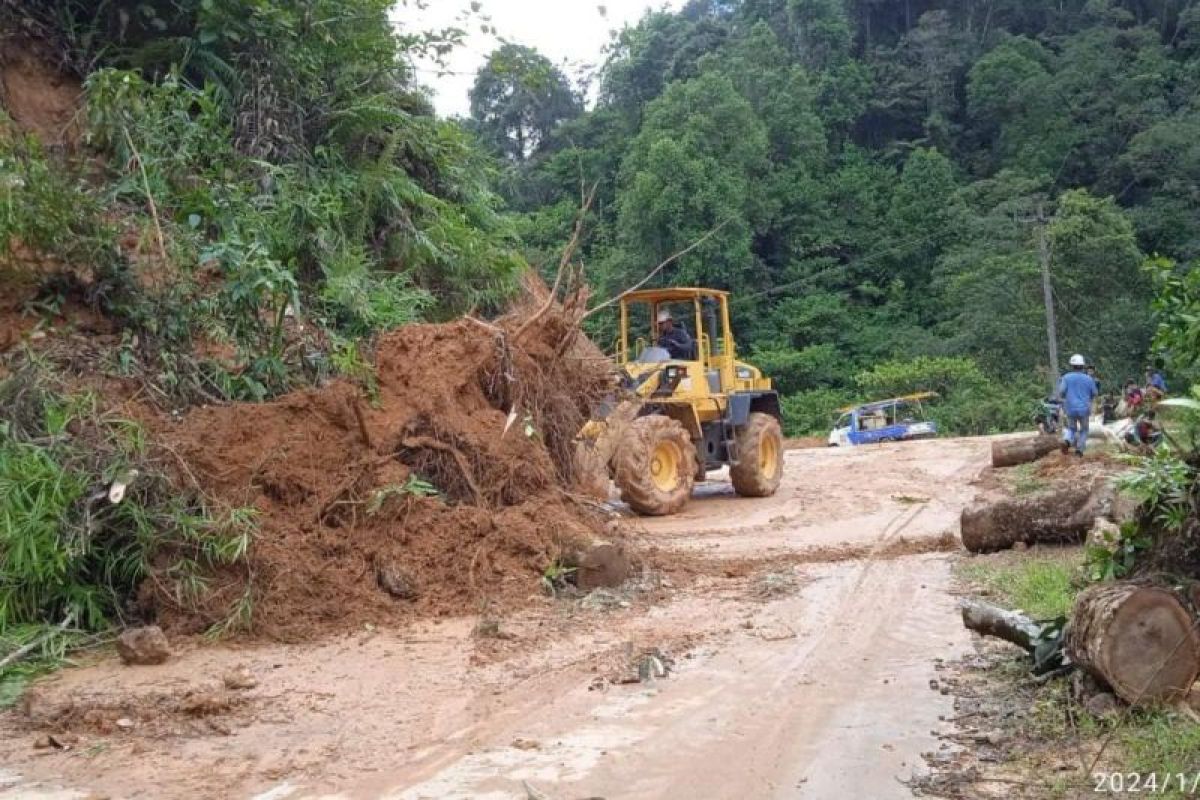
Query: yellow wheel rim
{"x": 664, "y": 465}
{"x": 768, "y": 455}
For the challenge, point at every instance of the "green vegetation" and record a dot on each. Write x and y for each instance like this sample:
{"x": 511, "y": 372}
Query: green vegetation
{"x": 413, "y": 487}
{"x": 1042, "y": 585}
{"x": 1148, "y": 742}
{"x": 87, "y": 517}
{"x": 272, "y": 177}
{"x": 878, "y": 178}
{"x": 1026, "y": 481}
{"x": 1165, "y": 743}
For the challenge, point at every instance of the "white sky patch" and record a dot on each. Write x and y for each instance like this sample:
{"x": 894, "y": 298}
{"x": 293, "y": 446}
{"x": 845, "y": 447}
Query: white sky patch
{"x": 571, "y": 33}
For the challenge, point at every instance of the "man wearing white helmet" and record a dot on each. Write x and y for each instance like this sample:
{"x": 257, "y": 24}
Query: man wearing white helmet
{"x": 675, "y": 339}
{"x": 1077, "y": 390}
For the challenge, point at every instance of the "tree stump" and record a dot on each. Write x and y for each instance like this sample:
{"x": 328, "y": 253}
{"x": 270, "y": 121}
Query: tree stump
{"x": 1140, "y": 640}
{"x": 1044, "y": 518}
{"x": 1010, "y": 452}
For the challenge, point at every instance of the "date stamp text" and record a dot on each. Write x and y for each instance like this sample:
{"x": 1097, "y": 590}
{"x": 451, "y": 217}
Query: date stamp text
{"x": 1146, "y": 783}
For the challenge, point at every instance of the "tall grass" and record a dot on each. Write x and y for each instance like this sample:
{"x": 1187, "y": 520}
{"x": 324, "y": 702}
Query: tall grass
{"x": 73, "y": 553}
{"x": 1042, "y": 585}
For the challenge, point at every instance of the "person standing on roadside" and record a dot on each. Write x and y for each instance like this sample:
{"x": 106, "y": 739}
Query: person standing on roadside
{"x": 1156, "y": 385}
{"x": 1077, "y": 390}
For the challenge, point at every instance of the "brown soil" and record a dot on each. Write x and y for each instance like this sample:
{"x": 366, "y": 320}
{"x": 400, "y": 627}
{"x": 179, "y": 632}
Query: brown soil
{"x": 14, "y": 322}
{"x": 803, "y": 442}
{"x": 1070, "y": 467}
{"x": 40, "y": 97}
{"x": 201, "y": 709}
{"x": 813, "y": 676}
{"x": 323, "y": 469}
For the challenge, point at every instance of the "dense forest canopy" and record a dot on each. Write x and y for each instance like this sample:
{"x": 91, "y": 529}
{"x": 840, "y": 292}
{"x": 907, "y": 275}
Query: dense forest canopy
{"x": 880, "y": 176}
{"x": 875, "y": 181}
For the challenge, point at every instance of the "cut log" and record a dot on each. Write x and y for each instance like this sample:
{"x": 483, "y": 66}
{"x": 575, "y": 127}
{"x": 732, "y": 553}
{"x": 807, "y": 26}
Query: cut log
{"x": 1140, "y": 640}
{"x": 1045, "y": 518}
{"x": 1010, "y": 452}
{"x": 1011, "y": 626}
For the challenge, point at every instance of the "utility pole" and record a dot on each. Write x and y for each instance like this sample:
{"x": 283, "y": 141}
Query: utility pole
{"x": 1048, "y": 295}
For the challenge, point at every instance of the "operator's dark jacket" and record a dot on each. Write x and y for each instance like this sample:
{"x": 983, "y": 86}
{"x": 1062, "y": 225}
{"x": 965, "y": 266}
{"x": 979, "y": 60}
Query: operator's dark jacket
{"x": 678, "y": 343}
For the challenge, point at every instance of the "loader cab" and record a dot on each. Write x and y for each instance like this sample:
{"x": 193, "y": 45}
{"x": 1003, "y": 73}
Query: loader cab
{"x": 711, "y": 366}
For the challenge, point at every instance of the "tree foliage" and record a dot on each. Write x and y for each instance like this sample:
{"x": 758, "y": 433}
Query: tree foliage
{"x": 283, "y": 148}
{"x": 882, "y": 176}
{"x": 518, "y": 99}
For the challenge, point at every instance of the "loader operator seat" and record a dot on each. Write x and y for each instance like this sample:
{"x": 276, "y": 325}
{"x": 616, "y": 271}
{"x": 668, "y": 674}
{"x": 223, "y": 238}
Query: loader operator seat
{"x": 653, "y": 355}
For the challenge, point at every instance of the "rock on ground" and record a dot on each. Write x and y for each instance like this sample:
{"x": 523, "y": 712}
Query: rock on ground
{"x": 146, "y": 645}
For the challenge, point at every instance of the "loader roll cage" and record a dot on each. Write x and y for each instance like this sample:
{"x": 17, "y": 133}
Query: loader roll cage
{"x": 708, "y": 322}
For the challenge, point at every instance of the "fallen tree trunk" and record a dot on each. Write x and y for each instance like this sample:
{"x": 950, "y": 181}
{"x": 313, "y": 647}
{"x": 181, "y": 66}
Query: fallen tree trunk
{"x": 1140, "y": 640}
{"x": 1011, "y": 626}
{"x": 1011, "y": 452}
{"x": 1051, "y": 517}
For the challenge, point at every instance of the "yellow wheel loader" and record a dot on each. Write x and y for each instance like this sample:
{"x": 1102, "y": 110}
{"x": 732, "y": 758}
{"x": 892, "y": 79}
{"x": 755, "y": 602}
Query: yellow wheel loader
{"x": 690, "y": 405}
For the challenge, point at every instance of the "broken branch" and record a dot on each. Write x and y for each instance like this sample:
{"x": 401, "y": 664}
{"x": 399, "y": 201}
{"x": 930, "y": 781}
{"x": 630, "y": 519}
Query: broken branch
{"x": 668, "y": 260}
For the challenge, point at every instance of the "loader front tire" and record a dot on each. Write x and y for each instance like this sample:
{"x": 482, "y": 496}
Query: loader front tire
{"x": 760, "y": 457}
{"x": 655, "y": 466}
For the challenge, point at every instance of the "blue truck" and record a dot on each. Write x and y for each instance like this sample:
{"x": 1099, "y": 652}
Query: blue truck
{"x": 893, "y": 420}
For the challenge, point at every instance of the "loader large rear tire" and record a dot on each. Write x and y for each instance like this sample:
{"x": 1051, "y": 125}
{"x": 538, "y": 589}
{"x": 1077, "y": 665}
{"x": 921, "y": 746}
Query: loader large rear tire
{"x": 655, "y": 466}
{"x": 760, "y": 457}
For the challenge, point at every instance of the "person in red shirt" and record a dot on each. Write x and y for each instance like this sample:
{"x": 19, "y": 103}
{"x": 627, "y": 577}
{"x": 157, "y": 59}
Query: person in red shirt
{"x": 1133, "y": 398}
{"x": 1145, "y": 431}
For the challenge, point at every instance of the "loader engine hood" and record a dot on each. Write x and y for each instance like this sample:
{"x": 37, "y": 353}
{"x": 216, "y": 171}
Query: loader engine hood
{"x": 646, "y": 378}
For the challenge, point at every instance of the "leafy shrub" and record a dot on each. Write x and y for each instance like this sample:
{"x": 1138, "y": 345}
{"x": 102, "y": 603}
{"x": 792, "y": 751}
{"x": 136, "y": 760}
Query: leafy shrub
{"x": 990, "y": 408}
{"x": 69, "y": 545}
{"x": 941, "y": 374}
{"x": 969, "y": 402}
{"x": 1177, "y": 312}
{"x": 812, "y": 412}
{"x": 797, "y": 370}
{"x": 48, "y": 211}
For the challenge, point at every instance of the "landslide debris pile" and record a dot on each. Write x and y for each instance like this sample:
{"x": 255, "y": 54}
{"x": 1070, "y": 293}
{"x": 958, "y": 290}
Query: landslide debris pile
{"x": 347, "y": 529}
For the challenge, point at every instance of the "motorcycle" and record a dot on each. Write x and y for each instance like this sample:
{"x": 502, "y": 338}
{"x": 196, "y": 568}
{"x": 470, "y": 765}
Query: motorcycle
{"x": 1049, "y": 417}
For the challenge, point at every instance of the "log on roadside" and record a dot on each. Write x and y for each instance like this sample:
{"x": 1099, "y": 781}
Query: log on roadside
{"x": 1010, "y": 452}
{"x": 1058, "y": 516}
{"x": 1000, "y": 623}
{"x": 1140, "y": 640}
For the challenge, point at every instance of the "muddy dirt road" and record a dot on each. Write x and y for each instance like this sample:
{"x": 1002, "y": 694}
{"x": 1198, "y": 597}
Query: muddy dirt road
{"x": 798, "y": 636}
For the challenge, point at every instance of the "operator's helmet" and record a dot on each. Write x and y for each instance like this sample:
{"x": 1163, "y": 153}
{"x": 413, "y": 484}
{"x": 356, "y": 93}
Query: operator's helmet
{"x": 664, "y": 315}
{"x": 1078, "y": 361}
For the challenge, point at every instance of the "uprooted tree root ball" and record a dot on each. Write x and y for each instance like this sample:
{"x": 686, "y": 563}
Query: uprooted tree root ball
{"x": 452, "y": 487}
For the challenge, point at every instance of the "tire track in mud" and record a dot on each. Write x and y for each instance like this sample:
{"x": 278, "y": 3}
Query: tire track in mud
{"x": 847, "y": 698}
{"x": 836, "y": 706}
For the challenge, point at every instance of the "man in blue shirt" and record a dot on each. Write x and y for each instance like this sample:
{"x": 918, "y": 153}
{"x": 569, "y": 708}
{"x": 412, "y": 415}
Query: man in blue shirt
{"x": 1155, "y": 380}
{"x": 1077, "y": 390}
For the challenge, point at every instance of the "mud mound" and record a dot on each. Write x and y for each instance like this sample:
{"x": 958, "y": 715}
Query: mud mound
{"x": 39, "y": 96}
{"x": 199, "y": 710}
{"x": 347, "y": 531}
